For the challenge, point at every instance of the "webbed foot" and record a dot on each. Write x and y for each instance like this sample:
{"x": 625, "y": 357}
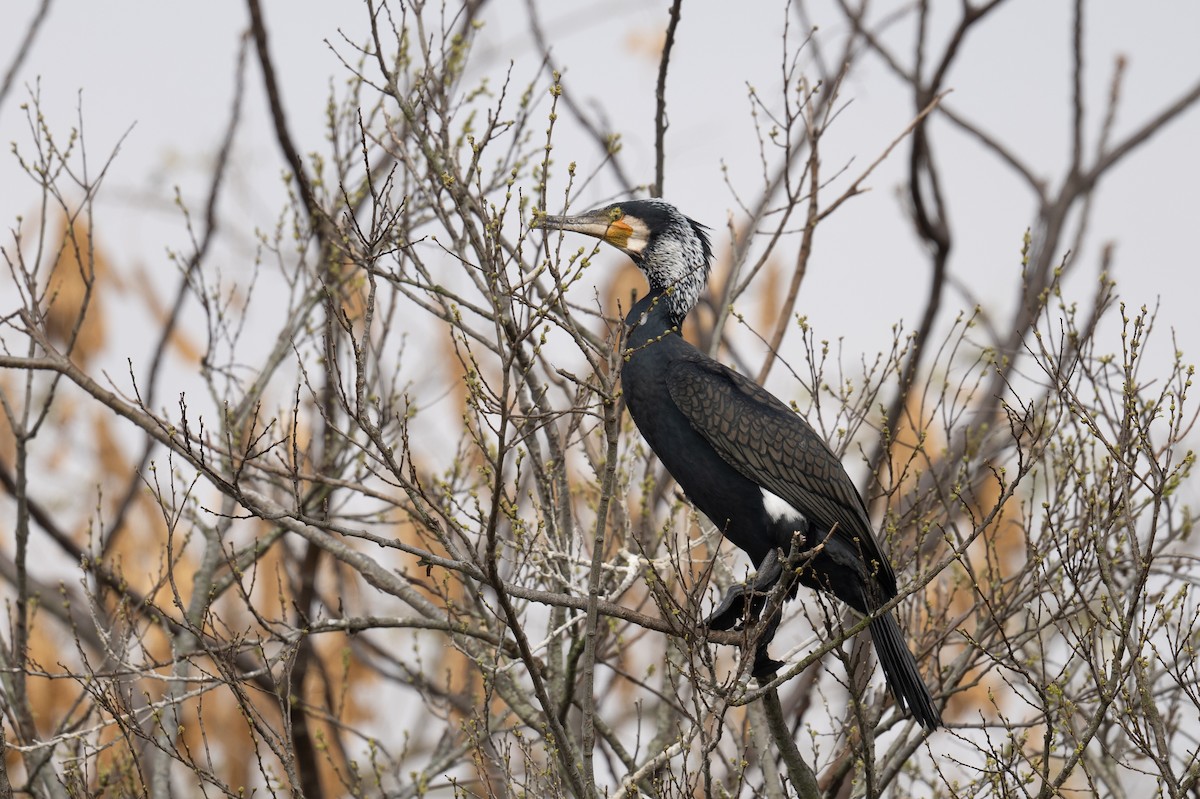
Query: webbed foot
{"x": 731, "y": 612}
{"x": 744, "y": 601}
{"x": 765, "y": 667}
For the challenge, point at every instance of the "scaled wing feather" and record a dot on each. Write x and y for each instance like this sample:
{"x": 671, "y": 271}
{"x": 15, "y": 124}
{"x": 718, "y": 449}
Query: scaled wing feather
{"x": 755, "y": 433}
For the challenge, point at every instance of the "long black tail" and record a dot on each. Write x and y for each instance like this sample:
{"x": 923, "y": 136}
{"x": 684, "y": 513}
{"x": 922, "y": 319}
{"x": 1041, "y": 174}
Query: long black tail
{"x": 900, "y": 669}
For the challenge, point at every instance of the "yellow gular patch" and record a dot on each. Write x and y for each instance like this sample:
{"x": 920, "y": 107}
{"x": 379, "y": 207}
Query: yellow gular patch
{"x": 618, "y": 233}
{"x": 629, "y": 234}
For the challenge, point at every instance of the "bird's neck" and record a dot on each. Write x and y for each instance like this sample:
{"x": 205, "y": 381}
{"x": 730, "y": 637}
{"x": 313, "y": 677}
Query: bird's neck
{"x": 651, "y": 318}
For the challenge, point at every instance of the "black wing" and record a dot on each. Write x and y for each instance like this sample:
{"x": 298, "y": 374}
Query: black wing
{"x": 755, "y": 433}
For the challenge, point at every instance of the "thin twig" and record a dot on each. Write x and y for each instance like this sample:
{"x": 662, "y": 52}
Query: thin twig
{"x": 153, "y": 371}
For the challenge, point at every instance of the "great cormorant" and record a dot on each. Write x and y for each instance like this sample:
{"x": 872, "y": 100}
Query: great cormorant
{"x": 746, "y": 460}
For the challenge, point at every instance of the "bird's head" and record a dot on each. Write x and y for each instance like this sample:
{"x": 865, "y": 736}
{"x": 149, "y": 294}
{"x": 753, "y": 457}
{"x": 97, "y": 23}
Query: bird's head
{"x": 672, "y": 251}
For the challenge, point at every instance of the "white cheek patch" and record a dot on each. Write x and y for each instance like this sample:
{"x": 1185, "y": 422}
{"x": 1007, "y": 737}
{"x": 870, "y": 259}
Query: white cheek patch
{"x": 639, "y": 238}
{"x": 779, "y": 510}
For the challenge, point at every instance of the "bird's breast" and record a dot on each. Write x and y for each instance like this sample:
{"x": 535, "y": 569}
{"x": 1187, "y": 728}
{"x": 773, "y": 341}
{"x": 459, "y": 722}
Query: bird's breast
{"x": 734, "y": 504}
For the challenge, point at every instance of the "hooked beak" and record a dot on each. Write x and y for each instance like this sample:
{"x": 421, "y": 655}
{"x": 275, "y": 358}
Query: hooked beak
{"x": 627, "y": 233}
{"x": 593, "y": 223}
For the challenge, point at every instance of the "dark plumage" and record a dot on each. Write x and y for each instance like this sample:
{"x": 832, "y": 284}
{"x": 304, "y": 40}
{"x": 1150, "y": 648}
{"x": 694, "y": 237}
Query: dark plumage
{"x": 750, "y": 464}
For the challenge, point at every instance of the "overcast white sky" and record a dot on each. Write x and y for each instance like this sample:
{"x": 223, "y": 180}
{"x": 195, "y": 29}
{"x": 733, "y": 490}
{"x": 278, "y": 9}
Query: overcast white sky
{"x": 164, "y": 73}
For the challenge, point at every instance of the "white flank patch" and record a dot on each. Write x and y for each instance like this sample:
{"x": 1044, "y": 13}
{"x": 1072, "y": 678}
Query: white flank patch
{"x": 779, "y": 509}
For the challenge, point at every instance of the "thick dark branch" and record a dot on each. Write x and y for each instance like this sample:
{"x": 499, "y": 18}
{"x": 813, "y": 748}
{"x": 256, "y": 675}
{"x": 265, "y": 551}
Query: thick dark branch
{"x": 23, "y": 50}
{"x": 930, "y": 214}
{"x": 1000, "y": 150}
{"x": 278, "y": 117}
{"x": 1077, "y": 111}
{"x": 1141, "y": 135}
{"x": 804, "y": 781}
{"x": 660, "y": 95}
